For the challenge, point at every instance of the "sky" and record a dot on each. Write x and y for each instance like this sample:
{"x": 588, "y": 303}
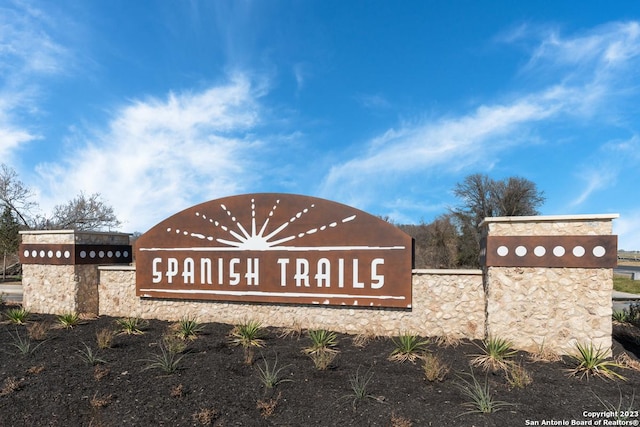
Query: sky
{"x": 381, "y": 105}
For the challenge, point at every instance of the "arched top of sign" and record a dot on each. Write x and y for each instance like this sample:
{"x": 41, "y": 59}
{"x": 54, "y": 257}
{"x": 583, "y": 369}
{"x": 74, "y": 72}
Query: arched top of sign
{"x": 280, "y": 248}
{"x": 271, "y": 221}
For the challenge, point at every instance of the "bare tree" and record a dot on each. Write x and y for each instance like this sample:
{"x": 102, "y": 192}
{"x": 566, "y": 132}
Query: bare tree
{"x": 516, "y": 197}
{"x": 84, "y": 213}
{"x": 484, "y": 197}
{"x": 435, "y": 243}
{"x": 15, "y": 195}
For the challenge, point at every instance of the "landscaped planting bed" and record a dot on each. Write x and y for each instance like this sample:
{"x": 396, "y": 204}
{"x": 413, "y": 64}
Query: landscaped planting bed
{"x": 152, "y": 377}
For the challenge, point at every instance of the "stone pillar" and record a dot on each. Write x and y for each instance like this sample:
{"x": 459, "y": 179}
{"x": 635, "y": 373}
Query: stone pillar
{"x": 60, "y": 268}
{"x": 548, "y": 280}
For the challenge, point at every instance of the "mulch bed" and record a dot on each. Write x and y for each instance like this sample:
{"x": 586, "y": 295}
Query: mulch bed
{"x": 56, "y": 386}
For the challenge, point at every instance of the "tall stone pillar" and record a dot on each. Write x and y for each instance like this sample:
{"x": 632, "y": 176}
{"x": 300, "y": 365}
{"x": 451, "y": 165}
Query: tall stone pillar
{"x": 60, "y": 268}
{"x": 548, "y": 280}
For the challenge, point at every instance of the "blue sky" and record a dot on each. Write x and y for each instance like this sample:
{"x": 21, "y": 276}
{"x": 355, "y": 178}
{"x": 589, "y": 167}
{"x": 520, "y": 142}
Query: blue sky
{"x": 382, "y": 105}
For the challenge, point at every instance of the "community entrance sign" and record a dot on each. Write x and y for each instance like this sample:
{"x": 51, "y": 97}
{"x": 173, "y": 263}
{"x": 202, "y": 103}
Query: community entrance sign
{"x": 277, "y": 248}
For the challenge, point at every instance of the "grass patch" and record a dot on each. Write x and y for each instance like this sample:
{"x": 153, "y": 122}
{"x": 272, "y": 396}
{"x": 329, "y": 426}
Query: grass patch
{"x": 38, "y": 331}
{"x": 10, "y": 385}
{"x": 518, "y": 376}
{"x": 434, "y": 368}
{"x": 104, "y": 338}
{"x": 268, "y": 407}
{"x": 625, "y": 284}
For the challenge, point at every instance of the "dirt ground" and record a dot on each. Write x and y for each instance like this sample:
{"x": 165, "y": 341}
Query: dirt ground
{"x": 55, "y": 385}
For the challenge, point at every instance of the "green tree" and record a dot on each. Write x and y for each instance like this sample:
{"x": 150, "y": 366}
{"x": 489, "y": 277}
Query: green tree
{"x": 9, "y": 236}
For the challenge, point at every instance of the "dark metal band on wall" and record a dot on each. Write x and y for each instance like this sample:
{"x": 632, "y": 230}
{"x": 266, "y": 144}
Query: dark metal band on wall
{"x": 70, "y": 254}
{"x": 550, "y": 251}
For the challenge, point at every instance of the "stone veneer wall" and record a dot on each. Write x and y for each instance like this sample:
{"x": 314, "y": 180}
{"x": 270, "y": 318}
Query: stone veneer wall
{"x": 58, "y": 289}
{"x": 445, "y": 302}
{"x": 50, "y": 289}
{"x": 530, "y": 306}
{"x": 551, "y": 307}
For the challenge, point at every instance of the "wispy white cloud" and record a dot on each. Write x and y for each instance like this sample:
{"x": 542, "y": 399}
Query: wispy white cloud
{"x": 375, "y": 101}
{"x": 589, "y": 71}
{"x": 602, "y": 170}
{"x": 159, "y": 156}
{"x": 28, "y": 53}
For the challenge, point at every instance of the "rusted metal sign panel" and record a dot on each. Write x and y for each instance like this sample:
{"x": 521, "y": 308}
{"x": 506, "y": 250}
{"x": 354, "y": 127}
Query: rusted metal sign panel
{"x": 276, "y": 248}
{"x": 550, "y": 251}
{"x": 71, "y": 254}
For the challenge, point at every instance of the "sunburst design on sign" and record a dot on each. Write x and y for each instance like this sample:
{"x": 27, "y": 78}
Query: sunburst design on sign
{"x": 255, "y": 239}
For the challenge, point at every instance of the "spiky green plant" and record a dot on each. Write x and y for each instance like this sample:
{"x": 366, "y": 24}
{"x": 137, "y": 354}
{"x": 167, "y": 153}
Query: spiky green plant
{"x": 188, "y": 328}
{"x": 322, "y": 350}
{"x": 359, "y": 384}
{"x": 271, "y": 375}
{"x": 321, "y": 339}
{"x": 408, "y": 347}
{"x": 249, "y": 336}
{"x": 17, "y": 316}
{"x": 497, "y": 354}
{"x": 478, "y": 395}
{"x": 89, "y": 356}
{"x": 69, "y": 320}
{"x": 167, "y": 361}
{"x": 594, "y": 362}
{"x": 132, "y": 325}
{"x": 24, "y": 346}
{"x": 620, "y": 316}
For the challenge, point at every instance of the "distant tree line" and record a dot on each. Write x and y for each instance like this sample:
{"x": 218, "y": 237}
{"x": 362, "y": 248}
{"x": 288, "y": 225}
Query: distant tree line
{"x": 19, "y": 211}
{"x": 452, "y": 240}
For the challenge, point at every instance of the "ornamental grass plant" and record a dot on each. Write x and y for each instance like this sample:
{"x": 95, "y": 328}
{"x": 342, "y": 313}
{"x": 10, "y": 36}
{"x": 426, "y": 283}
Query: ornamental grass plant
{"x": 24, "y": 346}
{"x": 18, "y": 316}
{"x": 593, "y": 362}
{"x": 69, "y": 320}
{"x": 249, "y": 336}
{"x": 497, "y": 355}
{"x": 270, "y": 375}
{"x": 408, "y": 347}
{"x": 132, "y": 325}
{"x": 478, "y": 395}
{"x": 322, "y": 350}
{"x": 188, "y": 328}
